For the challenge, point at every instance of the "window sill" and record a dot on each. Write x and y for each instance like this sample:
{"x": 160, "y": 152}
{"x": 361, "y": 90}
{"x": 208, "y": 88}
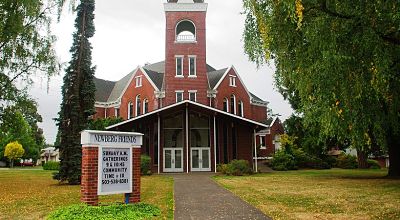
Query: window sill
{"x": 263, "y": 148}
{"x": 232, "y": 85}
{"x": 194, "y": 76}
{"x": 186, "y": 42}
{"x": 178, "y": 76}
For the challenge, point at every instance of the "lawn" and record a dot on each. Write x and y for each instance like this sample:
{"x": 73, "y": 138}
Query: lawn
{"x": 320, "y": 194}
{"x": 32, "y": 194}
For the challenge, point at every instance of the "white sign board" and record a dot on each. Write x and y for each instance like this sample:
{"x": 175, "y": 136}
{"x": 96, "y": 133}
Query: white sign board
{"x": 115, "y": 170}
{"x": 114, "y": 159}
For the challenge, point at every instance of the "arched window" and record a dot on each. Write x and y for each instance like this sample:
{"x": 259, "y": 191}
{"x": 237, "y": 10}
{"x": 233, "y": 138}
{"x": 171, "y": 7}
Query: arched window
{"x": 137, "y": 105}
{"x": 240, "y": 109}
{"x": 233, "y": 104}
{"x": 225, "y": 107}
{"x": 130, "y": 110}
{"x": 145, "y": 106}
{"x": 185, "y": 31}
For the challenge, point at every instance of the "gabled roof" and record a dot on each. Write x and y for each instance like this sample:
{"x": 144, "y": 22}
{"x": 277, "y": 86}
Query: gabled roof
{"x": 120, "y": 86}
{"x": 215, "y": 76}
{"x": 256, "y": 98}
{"x": 156, "y": 77}
{"x": 187, "y": 102}
{"x": 103, "y": 89}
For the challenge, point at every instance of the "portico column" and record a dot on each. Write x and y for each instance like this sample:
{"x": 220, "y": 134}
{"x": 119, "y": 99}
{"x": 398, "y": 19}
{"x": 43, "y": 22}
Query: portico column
{"x": 187, "y": 139}
{"x": 215, "y": 145}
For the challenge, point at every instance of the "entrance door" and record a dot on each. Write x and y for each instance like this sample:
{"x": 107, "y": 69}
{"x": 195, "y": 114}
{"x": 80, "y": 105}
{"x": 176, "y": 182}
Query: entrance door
{"x": 173, "y": 160}
{"x": 201, "y": 159}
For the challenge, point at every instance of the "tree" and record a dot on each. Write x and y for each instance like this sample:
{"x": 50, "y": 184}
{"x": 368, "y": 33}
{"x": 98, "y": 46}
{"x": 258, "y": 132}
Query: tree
{"x": 78, "y": 95}
{"x": 103, "y": 123}
{"x": 14, "y": 151}
{"x": 341, "y": 59}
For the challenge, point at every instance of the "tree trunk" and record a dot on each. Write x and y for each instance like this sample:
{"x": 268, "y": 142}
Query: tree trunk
{"x": 362, "y": 160}
{"x": 12, "y": 164}
{"x": 394, "y": 156}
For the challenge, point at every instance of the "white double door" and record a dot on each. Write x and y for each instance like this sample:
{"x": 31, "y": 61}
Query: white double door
{"x": 173, "y": 159}
{"x": 200, "y": 158}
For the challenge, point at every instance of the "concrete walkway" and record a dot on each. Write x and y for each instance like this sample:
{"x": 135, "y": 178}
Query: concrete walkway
{"x": 197, "y": 196}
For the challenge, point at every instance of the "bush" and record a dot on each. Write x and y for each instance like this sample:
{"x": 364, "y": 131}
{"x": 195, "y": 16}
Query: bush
{"x": 145, "y": 165}
{"x": 283, "y": 161}
{"x": 346, "y": 161}
{"x": 235, "y": 168}
{"x": 373, "y": 164}
{"x": 51, "y": 165}
{"x": 82, "y": 211}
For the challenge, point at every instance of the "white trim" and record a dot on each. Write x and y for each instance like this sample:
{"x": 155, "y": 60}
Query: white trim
{"x": 241, "y": 108}
{"x": 201, "y": 168}
{"x": 234, "y": 103}
{"x": 227, "y": 104}
{"x": 262, "y": 147}
{"x": 158, "y": 143}
{"x": 144, "y": 106}
{"x": 172, "y": 7}
{"x": 136, "y": 105}
{"x": 173, "y": 153}
{"x": 195, "y": 30}
{"x": 255, "y": 152}
{"x": 117, "y": 112}
{"x": 138, "y": 81}
{"x": 195, "y": 65}
{"x": 215, "y": 145}
{"x": 130, "y": 105}
{"x": 194, "y": 103}
{"x": 176, "y": 65}
{"x": 148, "y": 78}
{"x": 187, "y": 139}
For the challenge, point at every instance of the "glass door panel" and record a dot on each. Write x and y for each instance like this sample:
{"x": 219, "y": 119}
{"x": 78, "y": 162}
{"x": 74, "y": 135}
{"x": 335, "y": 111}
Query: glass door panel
{"x": 178, "y": 159}
{"x": 205, "y": 158}
{"x": 168, "y": 159}
{"x": 195, "y": 159}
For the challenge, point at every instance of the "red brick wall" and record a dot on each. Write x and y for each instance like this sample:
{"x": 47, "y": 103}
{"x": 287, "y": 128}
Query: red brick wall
{"x": 135, "y": 195}
{"x": 173, "y": 83}
{"x": 146, "y": 91}
{"x": 89, "y": 175}
{"x": 258, "y": 113}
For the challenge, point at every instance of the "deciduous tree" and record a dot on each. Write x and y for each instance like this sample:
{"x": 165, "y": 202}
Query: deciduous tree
{"x": 14, "y": 151}
{"x": 341, "y": 59}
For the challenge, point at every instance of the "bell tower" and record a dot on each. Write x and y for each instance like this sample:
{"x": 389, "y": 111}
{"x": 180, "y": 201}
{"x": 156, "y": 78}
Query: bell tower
{"x": 185, "y": 51}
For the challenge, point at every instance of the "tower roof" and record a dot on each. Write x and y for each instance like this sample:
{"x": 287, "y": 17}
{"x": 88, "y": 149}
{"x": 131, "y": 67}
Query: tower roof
{"x": 185, "y": 5}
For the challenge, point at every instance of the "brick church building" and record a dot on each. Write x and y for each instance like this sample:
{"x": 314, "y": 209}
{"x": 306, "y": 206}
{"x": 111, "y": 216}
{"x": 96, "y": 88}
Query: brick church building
{"x": 193, "y": 116}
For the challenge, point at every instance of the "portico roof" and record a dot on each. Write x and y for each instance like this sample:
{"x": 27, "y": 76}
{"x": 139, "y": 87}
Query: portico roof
{"x": 188, "y": 102}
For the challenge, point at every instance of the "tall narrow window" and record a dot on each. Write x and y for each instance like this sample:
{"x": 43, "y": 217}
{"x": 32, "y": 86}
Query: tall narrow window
{"x": 116, "y": 112}
{"x": 262, "y": 142}
{"x": 179, "y": 66}
{"x": 233, "y": 104}
{"x": 145, "y": 106}
{"x": 240, "y": 109}
{"x": 130, "y": 110}
{"x": 225, "y": 107}
{"x": 193, "y": 95}
{"x": 137, "y": 105}
{"x": 192, "y": 66}
{"x": 232, "y": 80}
{"x": 138, "y": 81}
{"x": 179, "y": 96}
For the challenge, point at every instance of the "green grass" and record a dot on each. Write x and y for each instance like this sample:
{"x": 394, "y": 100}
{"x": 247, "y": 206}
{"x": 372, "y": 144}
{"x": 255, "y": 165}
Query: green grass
{"x": 320, "y": 194}
{"x": 33, "y": 194}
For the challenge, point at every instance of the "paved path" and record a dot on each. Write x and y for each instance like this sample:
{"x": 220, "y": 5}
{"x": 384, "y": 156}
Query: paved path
{"x": 197, "y": 196}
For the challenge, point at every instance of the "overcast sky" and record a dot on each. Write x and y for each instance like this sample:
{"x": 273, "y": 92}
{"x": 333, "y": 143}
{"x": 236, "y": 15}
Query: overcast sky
{"x": 131, "y": 33}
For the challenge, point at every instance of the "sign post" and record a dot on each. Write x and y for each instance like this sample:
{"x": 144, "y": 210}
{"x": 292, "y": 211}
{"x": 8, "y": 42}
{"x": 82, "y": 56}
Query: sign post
{"x": 110, "y": 165}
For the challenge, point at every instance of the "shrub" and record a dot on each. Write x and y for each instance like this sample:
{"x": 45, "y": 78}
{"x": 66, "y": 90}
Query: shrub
{"x": 82, "y": 211}
{"x": 235, "y": 168}
{"x": 373, "y": 164}
{"x": 51, "y": 165}
{"x": 283, "y": 161}
{"x": 346, "y": 161}
{"x": 145, "y": 165}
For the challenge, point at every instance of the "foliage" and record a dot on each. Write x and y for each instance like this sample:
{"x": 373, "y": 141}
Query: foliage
{"x": 81, "y": 211}
{"x": 346, "y": 161}
{"x": 77, "y": 95}
{"x": 14, "y": 151}
{"x": 51, "y": 165}
{"x": 283, "y": 161}
{"x": 15, "y": 128}
{"x": 373, "y": 164}
{"x": 145, "y": 165}
{"x": 338, "y": 61}
{"x": 235, "y": 168}
{"x": 102, "y": 123}
{"x": 319, "y": 194}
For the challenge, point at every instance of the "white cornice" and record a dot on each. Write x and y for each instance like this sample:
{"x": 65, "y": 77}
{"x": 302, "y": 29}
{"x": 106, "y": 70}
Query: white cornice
{"x": 185, "y": 7}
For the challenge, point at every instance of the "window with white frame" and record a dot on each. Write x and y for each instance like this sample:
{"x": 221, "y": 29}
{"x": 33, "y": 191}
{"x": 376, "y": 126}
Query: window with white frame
{"x": 226, "y": 105}
{"x": 233, "y": 104}
{"x": 130, "y": 110}
{"x": 263, "y": 146}
{"x": 192, "y": 66}
{"x": 116, "y": 112}
{"x": 145, "y": 106}
{"x": 138, "y": 81}
{"x": 138, "y": 105}
{"x": 179, "y": 66}
{"x": 193, "y": 95}
{"x": 179, "y": 95}
{"x": 232, "y": 80}
{"x": 240, "y": 109}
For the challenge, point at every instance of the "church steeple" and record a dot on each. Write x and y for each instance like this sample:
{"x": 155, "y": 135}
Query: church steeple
{"x": 185, "y": 50}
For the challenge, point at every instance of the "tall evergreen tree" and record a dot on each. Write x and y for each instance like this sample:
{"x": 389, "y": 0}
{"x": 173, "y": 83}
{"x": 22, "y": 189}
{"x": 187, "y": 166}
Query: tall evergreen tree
{"x": 78, "y": 95}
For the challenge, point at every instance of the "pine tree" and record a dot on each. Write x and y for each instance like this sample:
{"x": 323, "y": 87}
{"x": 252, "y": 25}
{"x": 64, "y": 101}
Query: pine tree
{"x": 78, "y": 95}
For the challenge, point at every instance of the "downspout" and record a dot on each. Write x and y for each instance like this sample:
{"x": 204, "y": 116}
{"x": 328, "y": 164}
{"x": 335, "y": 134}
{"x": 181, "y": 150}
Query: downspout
{"x": 158, "y": 142}
{"x": 255, "y": 151}
{"x": 187, "y": 139}
{"x": 215, "y": 145}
